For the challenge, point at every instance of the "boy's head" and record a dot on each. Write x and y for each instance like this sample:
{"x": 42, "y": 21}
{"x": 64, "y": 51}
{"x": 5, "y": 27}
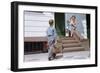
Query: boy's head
{"x": 51, "y": 22}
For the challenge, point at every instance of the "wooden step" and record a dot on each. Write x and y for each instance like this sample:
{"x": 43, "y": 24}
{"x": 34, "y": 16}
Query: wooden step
{"x": 71, "y": 49}
{"x": 70, "y": 41}
{"x": 71, "y": 45}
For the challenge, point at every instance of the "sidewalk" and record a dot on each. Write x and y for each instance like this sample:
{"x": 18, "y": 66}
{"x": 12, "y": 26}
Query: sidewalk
{"x": 66, "y": 56}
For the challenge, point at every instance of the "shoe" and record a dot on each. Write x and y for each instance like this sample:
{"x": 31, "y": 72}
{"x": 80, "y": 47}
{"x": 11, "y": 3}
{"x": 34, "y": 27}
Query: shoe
{"x": 50, "y": 58}
{"x": 54, "y": 55}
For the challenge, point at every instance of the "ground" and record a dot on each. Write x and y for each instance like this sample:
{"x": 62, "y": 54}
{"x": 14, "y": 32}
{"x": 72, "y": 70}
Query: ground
{"x": 66, "y": 56}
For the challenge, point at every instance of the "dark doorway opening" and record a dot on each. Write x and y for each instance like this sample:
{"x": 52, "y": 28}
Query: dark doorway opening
{"x": 60, "y": 23}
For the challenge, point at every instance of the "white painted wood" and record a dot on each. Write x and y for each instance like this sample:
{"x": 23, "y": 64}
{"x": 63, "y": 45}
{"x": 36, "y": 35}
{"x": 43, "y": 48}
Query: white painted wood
{"x": 85, "y": 29}
{"x": 35, "y": 34}
{"x": 36, "y": 23}
{"x": 34, "y": 29}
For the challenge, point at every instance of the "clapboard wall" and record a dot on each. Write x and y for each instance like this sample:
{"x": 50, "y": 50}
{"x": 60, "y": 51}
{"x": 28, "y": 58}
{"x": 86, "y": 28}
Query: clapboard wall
{"x": 36, "y": 23}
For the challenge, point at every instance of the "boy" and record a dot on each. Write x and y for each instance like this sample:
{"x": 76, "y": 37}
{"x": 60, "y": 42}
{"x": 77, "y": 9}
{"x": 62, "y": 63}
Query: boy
{"x": 51, "y": 35}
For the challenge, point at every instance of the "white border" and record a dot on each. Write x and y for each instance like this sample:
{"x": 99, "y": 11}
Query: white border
{"x": 22, "y": 64}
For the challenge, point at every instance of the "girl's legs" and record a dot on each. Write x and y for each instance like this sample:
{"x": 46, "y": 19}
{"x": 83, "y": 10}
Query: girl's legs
{"x": 69, "y": 33}
{"x": 72, "y": 32}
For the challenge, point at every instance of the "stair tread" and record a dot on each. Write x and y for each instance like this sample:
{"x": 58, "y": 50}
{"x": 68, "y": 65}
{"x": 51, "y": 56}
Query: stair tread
{"x": 73, "y": 48}
{"x": 77, "y": 47}
{"x": 69, "y": 41}
{"x": 71, "y": 44}
{"x": 68, "y": 38}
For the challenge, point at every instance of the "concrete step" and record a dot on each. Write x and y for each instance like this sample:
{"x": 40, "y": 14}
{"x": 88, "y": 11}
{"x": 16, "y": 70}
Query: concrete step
{"x": 68, "y": 38}
{"x": 71, "y": 45}
{"x": 70, "y": 41}
{"x": 71, "y": 49}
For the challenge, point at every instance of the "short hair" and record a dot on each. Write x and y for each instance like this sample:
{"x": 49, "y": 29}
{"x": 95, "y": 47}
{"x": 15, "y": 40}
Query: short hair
{"x": 73, "y": 16}
{"x": 51, "y": 22}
